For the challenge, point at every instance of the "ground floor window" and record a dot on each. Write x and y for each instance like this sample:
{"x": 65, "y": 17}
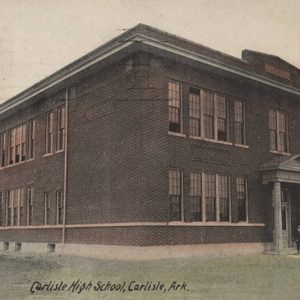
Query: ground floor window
{"x": 46, "y": 208}
{"x": 196, "y": 195}
{"x": 60, "y": 207}
{"x": 209, "y": 197}
{"x": 175, "y": 194}
{"x": 1, "y": 208}
{"x": 241, "y": 188}
{"x": 29, "y": 205}
{"x": 15, "y": 207}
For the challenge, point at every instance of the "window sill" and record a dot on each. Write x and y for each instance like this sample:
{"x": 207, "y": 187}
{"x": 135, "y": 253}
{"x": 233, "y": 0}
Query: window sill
{"x": 209, "y": 140}
{"x": 242, "y": 146}
{"x": 176, "y": 134}
{"x": 59, "y": 151}
{"x": 52, "y": 153}
{"x": 280, "y": 153}
{"x": 16, "y": 164}
{"x": 206, "y": 224}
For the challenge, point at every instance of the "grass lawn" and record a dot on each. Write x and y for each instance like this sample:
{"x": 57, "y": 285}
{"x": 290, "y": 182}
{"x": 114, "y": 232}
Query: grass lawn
{"x": 240, "y": 277}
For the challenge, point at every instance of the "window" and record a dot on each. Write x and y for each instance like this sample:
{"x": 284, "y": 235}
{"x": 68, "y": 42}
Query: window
{"x": 11, "y": 146}
{"x": 60, "y": 128}
{"x": 60, "y": 207}
{"x": 8, "y": 209}
{"x": 3, "y": 148}
{"x": 29, "y": 205}
{"x": 195, "y": 112}
{"x": 46, "y": 208}
{"x": 208, "y": 114}
{"x": 17, "y": 144}
{"x": 175, "y": 194}
{"x": 223, "y": 186}
{"x": 174, "y": 97}
{"x": 1, "y": 208}
{"x": 216, "y": 195}
{"x": 31, "y": 140}
{"x": 221, "y": 117}
{"x": 15, "y": 204}
{"x": 239, "y": 124}
{"x": 278, "y": 131}
{"x": 49, "y": 132}
{"x": 210, "y": 197}
{"x": 241, "y": 188}
{"x": 196, "y": 196}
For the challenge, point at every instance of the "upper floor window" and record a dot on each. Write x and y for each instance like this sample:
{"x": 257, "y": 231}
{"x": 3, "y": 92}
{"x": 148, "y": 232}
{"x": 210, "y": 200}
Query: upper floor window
{"x": 1, "y": 208}
{"x": 208, "y": 115}
{"x": 239, "y": 122}
{"x": 175, "y": 194}
{"x": 60, "y": 128}
{"x": 195, "y": 112}
{"x": 17, "y": 144}
{"x": 174, "y": 97}
{"x": 241, "y": 189}
{"x": 31, "y": 139}
{"x": 3, "y": 148}
{"x": 49, "y": 132}
{"x": 278, "y": 131}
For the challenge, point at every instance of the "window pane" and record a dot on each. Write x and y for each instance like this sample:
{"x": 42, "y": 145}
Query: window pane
{"x": 210, "y": 197}
{"x": 174, "y": 96}
{"x": 272, "y": 120}
{"x": 241, "y": 197}
{"x": 195, "y": 192}
{"x": 208, "y": 126}
{"x": 238, "y": 111}
{"x": 221, "y": 107}
{"x": 224, "y": 197}
{"x": 175, "y": 194}
{"x": 208, "y": 103}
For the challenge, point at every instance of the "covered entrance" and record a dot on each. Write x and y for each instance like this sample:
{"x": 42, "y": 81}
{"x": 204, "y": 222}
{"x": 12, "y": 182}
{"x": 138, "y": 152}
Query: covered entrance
{"x": 283, "y": 174}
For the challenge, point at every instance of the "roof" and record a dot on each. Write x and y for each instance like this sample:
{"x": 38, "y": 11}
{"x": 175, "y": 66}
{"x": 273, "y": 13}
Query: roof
{"x": 152, "y": 37}
{"x": 290, "y": 163}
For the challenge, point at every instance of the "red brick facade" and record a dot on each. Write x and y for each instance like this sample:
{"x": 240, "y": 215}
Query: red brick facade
{"x": 119, "y": 150}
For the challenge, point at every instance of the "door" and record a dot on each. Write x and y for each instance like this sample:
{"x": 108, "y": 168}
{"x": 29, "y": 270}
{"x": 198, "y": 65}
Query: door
{"x": 286, "y": 218}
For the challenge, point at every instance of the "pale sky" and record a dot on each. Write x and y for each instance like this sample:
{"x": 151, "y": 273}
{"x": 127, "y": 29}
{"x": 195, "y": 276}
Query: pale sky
{"x": 38, "y": 37}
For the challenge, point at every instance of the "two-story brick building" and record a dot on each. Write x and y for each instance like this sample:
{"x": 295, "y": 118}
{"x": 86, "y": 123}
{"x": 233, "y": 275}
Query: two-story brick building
{"x": 152, "y": 139}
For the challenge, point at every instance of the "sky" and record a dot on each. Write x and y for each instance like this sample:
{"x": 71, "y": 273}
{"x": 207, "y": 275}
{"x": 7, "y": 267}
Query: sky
{"x": 38, "y": 37}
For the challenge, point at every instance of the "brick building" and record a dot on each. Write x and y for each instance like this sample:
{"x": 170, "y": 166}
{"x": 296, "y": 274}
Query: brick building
{"x": 152, "y": 139}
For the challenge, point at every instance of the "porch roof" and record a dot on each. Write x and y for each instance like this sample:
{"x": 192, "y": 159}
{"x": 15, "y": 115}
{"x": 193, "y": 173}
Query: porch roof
{"x": 282, "y": 169}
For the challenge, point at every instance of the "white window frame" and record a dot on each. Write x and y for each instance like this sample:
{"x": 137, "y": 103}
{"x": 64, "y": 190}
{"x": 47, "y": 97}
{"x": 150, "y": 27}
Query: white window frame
{"x": 277, "y": 112}
{"x": 181, "y": 201}
{"x": 49, "y": 132}
{"x": 58, "y": 207}
{"x": 246, "y": 196}
{"x": 180, "y": 109}
{"x": 47, "y": 205}
{"x": 243, "y": 103}
{"x": 215, "y": 115}
{"x": 29, "y": 203}
{"x": 204, "y": 219}
{"x": 61, "y": 131}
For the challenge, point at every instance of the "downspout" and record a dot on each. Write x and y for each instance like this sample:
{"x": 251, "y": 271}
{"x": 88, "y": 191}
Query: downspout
{"x": 65, "y": 165}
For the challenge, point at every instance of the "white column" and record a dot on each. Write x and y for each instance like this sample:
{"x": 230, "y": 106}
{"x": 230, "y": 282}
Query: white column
{"x": 278, "y": 240}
